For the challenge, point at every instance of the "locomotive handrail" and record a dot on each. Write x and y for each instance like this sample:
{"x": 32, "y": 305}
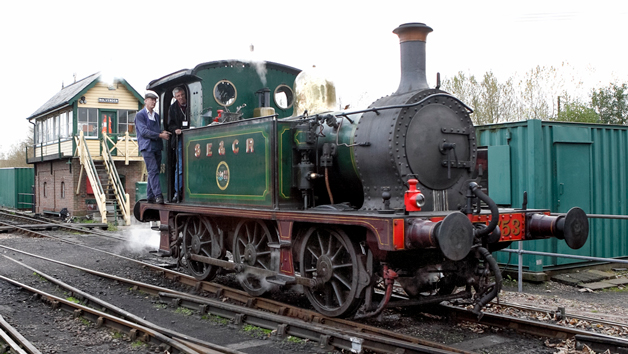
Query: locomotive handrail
{"x": 408, "y": 105}
{"x": 306, "y": 117}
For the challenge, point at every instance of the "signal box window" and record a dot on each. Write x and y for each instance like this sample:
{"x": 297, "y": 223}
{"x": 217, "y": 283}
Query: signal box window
{"x": 126, "y": 121}
{"x": 65, "y": 125}
{"x": 225, "y": 93}
{"x": 88, "y": 121}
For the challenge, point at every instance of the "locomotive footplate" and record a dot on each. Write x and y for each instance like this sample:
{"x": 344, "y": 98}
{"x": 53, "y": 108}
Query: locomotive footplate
{"x": 389, "y": 229}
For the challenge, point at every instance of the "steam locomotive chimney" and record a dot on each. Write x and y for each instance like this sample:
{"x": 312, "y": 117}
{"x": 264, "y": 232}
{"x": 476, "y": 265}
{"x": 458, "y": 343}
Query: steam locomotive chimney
{"x": 412, "y": 38}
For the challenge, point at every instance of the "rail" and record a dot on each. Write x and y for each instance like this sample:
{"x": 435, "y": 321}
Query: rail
{"x": 520, "y": 251}
{"x": 121, "y": 196}
{"x": 88, "y": 166}
{"x": 15, "y": 340}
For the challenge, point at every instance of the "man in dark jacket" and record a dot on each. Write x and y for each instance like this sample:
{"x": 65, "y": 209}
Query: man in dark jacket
{"x": 177, "y": 121}
{"x": 149, "y": 135}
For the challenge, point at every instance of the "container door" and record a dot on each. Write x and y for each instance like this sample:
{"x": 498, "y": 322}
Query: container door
{"x": 573, "y": 186}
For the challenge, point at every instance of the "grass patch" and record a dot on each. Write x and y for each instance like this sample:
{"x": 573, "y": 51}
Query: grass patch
{"x": 39, "y": 276}
{"x": 216, "y": 319}
{"x": 137, "y": 344}
{"x": 112, "y": 226}
{"x": 509, "y": 281}
{"x": 183, "y": 311}
{"x": 161, "y": 306}
{"x": 294, "y": 340}
{"x": 256, "y": 331}
{"x": 73, "y": 299}
{"x": 85, "y": 322}
{"x": 622, "y": 289}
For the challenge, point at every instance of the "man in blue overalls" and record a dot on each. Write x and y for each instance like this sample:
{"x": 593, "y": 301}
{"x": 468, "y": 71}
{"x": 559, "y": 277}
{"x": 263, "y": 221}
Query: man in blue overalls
{"x": 149, "y": 135}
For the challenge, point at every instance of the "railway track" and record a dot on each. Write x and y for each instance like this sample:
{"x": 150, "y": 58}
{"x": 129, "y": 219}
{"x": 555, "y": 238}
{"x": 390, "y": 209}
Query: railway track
{"x": 14, "y": 340}
{"x": 272, "y": 315}
{"x": 116, "y": 318}
{"x": 307, "y": 324}
{"x": 541, "y": 329}
{"x": 32, "y": 221}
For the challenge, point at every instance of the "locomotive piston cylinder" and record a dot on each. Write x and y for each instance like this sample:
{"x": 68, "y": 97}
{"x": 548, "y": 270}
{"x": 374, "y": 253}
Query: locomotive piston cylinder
{"x": 453, "y": 236}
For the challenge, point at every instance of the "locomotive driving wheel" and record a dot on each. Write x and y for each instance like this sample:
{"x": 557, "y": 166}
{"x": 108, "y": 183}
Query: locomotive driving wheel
{"x": 251, "y": 247}
{"x": 200, "y": 237}
{"x": 330, "y": 257}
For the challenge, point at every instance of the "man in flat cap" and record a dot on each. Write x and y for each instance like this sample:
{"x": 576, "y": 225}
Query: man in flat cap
{"x": 149, "y": 136}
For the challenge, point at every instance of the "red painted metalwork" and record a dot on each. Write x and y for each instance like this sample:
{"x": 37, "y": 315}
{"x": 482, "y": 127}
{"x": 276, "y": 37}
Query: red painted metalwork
{"x": 399, "y": 234}
{"x": 411, "y": 195}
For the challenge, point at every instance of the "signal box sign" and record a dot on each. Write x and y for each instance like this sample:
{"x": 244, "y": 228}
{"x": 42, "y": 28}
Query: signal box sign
{"x": 108, "y": 100}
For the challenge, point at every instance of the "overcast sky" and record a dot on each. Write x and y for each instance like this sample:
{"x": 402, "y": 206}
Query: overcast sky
{"x": 46, "y": 42}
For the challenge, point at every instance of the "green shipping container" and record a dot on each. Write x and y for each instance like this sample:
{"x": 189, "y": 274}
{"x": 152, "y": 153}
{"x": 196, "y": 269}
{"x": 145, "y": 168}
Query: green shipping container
{"x": 561, "y": 165}
{"x": 17, "y": 187}
{"x": 140, "y": 190}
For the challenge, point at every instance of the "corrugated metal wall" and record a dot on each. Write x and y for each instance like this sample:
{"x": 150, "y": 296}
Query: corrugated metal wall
{"x": 15, "y": 182}
{"x": 562, "y": 165}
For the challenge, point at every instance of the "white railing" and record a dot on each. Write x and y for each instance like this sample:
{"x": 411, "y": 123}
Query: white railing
{"x": 126, "y": 146}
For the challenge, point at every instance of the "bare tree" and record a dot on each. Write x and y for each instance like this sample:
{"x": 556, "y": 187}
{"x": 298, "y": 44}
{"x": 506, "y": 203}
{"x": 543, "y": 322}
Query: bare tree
{"x": 532, "y": 95}
{"x": 492, "y": 101}
{"x": 16, "y": 156}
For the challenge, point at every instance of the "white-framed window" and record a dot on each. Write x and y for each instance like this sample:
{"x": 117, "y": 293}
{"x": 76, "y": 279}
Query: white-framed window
{"x": 63, "y": 125}
{"x": 38, "y": 132}
{"x": 126, "y": 121}
{"x": 88, "y": 121}
{"x": 68, "y": 123}
{"x": 49, "y": 130}
{"x": 55, "y": 130}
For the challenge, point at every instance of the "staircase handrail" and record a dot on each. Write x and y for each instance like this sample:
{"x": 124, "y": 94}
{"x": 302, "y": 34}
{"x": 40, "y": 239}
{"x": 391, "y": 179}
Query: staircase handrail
{"x": 92, "y": 175}
{"x": 121, "y": 196}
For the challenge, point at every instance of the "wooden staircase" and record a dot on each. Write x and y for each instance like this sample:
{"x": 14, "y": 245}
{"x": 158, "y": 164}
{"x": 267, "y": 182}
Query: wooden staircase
{"x": 113, "y": 202}
{"x": 114, "y": 213}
